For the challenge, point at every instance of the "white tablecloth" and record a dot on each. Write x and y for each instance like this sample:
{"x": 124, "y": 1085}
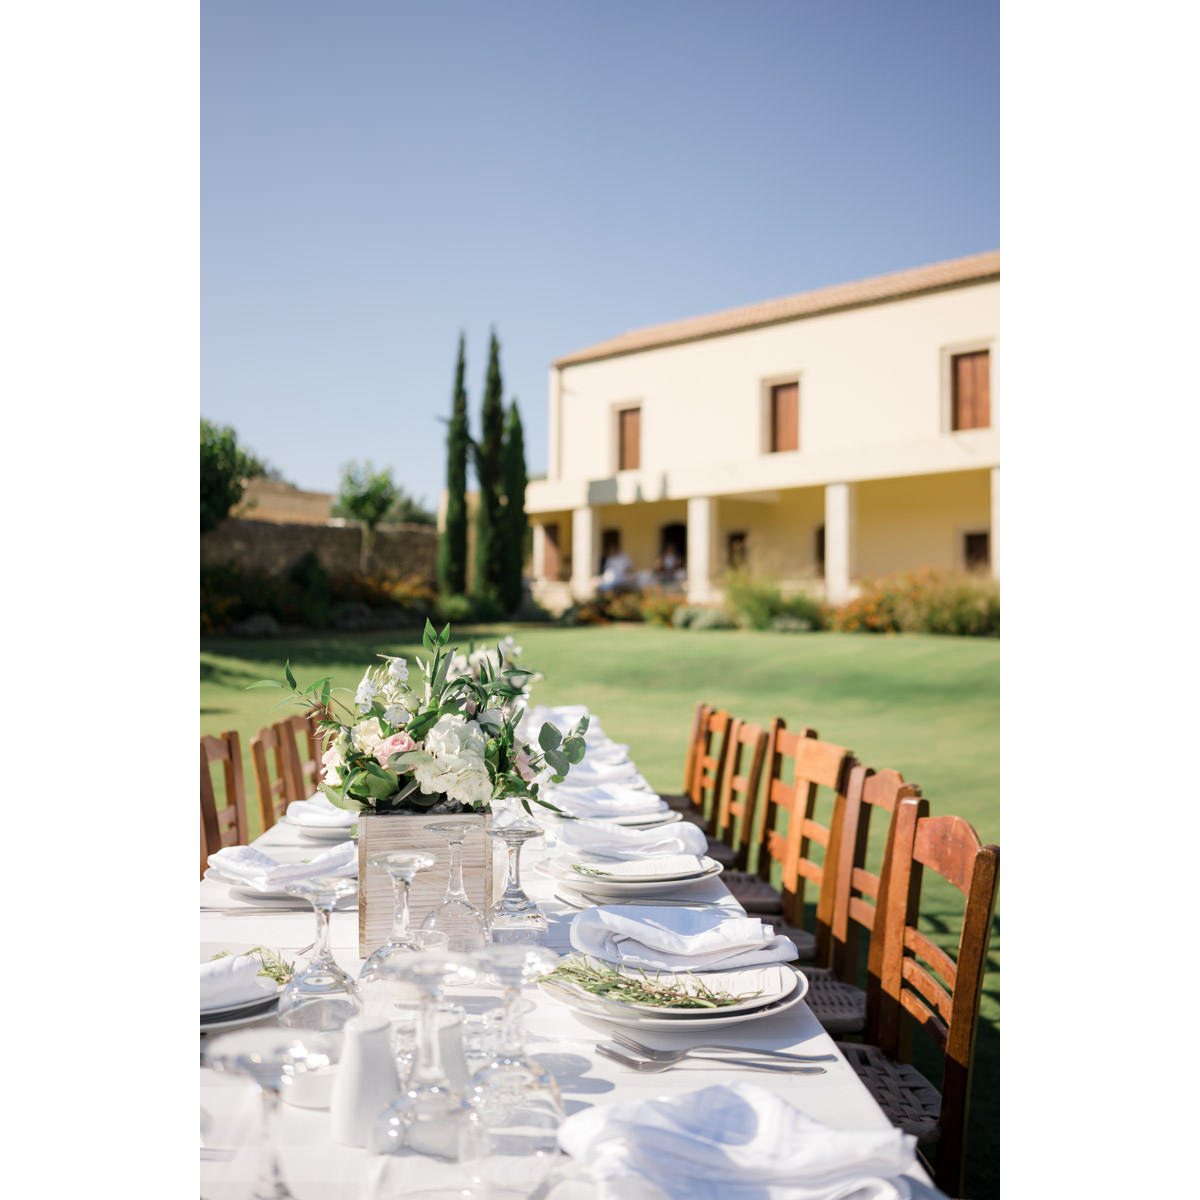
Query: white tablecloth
{"x": 319, "y": 1169}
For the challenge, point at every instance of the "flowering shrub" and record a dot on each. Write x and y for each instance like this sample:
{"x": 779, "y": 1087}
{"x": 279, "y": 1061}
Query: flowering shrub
{"x": 924, "y": 601}
{"x": 659, "y": 607}
{"x": 756, "y": 602}
{"x": 451, "y": 743}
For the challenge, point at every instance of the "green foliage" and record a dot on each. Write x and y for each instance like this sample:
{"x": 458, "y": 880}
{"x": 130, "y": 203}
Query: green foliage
{"x": 408, "y": 510}
{"x": 712, "y": 618}
{"x": 452, "y": 547}
{"x": 313, "y": 589}
{"x": 515, "y": 522}
{"x": 366, "y": 495}
{"x": 489, "y": 544}
{"x": 925, "y": 601}
{"x": 224, "y": 469}
{"x": 659, "y": 608}
{"x": 756, "y": 602}
{"x": 456, "y": 609}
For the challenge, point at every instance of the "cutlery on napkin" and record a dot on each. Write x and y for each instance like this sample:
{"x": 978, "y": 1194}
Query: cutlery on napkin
{"x": 254, "y": 869}
{"x": 604, "y": 839}
{"x": 737, "y": 1142}
{"x": 677, "y": 939}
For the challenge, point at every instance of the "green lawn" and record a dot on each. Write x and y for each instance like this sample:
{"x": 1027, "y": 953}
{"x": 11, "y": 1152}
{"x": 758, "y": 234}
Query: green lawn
{"x": 926, "y": 706}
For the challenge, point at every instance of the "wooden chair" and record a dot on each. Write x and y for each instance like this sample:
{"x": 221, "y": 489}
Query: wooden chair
{"x": 737, "y": 796}
{"x": 275, "y": 745}
{"x": 682, "y": 801}
{"x": 834, "y": 993}
{"x": 228, "y": 825}
{"x": 908, "y": 992}
{"x": 814, "y": 764}
{"x": 708, "y": 765}
{"x": 309, "y": 750}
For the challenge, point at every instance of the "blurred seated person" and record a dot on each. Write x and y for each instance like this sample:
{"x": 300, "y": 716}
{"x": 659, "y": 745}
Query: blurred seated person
{"x": 617, "y": 575}
{"x": 669, "y": 564}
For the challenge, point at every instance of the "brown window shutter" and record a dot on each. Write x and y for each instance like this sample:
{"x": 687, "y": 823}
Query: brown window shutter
{"x": 785, "y": 417}
{"x": 629, "y": 456}
{"x": 971, "y": 401}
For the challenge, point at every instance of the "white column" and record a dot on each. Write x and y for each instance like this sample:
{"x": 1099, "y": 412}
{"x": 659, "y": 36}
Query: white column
{"x": 701, "y": 548}
{"x": 583, "y": 551}
{"x": 539, "y": 551}
{"x": 994, "y": 536}
{"x": 839, "y": 541}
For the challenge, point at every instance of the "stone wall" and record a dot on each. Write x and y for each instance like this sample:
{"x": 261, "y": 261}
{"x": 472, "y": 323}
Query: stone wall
{"x": 272, "y": 547}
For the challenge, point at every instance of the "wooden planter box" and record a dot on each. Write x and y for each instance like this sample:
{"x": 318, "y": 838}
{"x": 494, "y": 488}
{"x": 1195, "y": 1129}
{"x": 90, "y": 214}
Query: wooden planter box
{"x": 483, "y": 870}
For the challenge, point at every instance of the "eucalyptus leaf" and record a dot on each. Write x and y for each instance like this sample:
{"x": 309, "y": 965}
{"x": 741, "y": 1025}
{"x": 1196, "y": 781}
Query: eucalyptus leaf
{"x": 574, "y": 748}
{"x": 548, "y": 738}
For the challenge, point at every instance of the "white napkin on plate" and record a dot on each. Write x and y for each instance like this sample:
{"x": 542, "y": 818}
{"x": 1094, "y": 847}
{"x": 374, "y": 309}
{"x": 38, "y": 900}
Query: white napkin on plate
{"x": 658, "y": 864}
{"x": 659, "y": 938}
{"x": 603, "y": 839}
{"x": 608, "y": 753}
{"x": 254, "y": 869}
{"x": 231, "y": 980}
{"x": 736, "y": 1141}
{"x": 318, "y": 809}
{"x": 606, "y": 800}
{"x": 588, "y": 774}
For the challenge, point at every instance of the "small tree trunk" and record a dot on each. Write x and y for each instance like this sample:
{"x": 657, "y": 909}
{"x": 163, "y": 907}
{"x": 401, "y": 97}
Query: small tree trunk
{"x": 364, "y": 556}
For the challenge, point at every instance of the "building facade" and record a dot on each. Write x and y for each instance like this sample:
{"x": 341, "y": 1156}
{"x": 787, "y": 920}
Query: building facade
{"x": 824, "y": 438}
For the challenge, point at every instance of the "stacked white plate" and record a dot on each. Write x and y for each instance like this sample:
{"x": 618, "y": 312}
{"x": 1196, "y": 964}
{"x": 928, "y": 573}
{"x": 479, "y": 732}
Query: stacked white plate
{"x": 322, "y": 833}
{"x": 267, "y": 897}
{"x": 612, "y": 880}
{"x": 639, "y": 820}
{"x": 768, "y": 990}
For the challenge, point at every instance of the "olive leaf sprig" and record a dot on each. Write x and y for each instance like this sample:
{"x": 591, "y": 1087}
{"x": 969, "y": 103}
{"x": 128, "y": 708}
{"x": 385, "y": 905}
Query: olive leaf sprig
{"x": 611, "y": 983}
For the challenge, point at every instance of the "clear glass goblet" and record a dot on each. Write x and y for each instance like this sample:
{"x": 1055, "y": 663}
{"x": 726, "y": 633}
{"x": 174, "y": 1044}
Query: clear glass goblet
{"x": 401, "y": 866}
{"x": 456, "y": 915}
{"x": 275, "y": 1059}
{"x": 381, "y": 993}
{"x": 515, "y": 917}
{"x": 428, "y": 1141}
{"x": 516, "y": 1098}
{"x": 320, "y": 995}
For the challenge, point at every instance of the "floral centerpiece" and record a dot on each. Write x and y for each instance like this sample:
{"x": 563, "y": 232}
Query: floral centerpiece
{"x": 448, "y": 745}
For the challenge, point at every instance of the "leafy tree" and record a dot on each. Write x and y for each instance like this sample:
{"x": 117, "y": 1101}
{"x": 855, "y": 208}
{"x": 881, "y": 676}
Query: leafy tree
{"x": 452, "y": 549}
{"x": 488, "y": 516}
{"x": 366, "y": 495}
{"x": 408, "y": 510}
{"x": 224, "y": 469}
{"x": 515, "y": 520}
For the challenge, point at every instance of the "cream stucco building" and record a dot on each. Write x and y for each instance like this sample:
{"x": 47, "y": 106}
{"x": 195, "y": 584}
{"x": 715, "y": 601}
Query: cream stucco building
{"x": 822, "y": 438}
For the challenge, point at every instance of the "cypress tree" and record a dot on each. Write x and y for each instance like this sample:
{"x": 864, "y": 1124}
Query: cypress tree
{"x": 489, "y": 548}
{"x": 452, "y": 549}
{"x": 515, "y": 521}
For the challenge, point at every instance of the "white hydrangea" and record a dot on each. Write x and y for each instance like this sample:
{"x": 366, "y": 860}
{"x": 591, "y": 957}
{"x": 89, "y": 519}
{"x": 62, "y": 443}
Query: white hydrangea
{"x": 457, "y": 770}
{"x": 454, "y": 736}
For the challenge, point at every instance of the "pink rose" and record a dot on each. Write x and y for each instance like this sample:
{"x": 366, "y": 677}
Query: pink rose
{"x": 525, "y": 767}
{"x": 396, "y": 744}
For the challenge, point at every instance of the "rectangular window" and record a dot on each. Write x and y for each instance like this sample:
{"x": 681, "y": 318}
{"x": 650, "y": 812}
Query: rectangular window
{"x": 785, "y": 417}
{"x": 629, "y": 439}
{"x": 735, "y": 555}
{"x": 819, "y": 551}
{"x": 977, "y": 551}
{"x": 971, "y": 390}
{"x": 610, "y": 544}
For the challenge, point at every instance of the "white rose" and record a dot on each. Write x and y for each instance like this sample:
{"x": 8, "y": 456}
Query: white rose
{"x": 366, "y": 735}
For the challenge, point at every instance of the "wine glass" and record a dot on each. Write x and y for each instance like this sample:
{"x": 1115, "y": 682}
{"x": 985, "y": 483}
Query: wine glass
{"x": 429, "y": 1140}
{"x": 275, "y": 1059}
{"x": 515, "y": 917}
{"x": 456, "y": 915}
{"x": 320, "y": 995}
{"x": 516, "y": 1098}
{"x": 402, "y": 867}
{"x": 382, "y": 994}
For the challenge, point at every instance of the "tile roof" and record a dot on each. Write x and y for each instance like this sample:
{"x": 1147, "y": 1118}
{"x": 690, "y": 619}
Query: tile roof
{"x": 953, "y": 273}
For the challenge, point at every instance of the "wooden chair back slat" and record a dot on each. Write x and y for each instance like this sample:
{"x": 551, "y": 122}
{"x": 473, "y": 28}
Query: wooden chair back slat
{"x": 227, "y": 825}
{"x": 695, "y": 745}
{"x": 951, "y": 848}
{"x": 709, "y": 764}
{"x": 309, "y": 749}
{"x": 279, "y": 787}
{"x": 739, "y": 793}
{"x": 935, "y": 956}
{"x": 793, "y": 788}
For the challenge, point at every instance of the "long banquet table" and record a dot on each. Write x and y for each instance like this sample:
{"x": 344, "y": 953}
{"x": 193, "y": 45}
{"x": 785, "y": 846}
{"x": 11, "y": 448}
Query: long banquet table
{"x": 318, "y": 1168}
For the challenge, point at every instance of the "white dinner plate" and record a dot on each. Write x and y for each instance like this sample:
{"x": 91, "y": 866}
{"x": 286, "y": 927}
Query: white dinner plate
{"x": 566, "y": 866}
{"x": 322, "y": 833}
{"x": 245, "y": 1007}
{"x": 235, "y": 1022}
{"x": 590, "y": 886}
{"x": 641, "y": 820}
{"x": 612, "y": 1013}
{"x": 244, "y": 890}
{"x": 770, "y": 984}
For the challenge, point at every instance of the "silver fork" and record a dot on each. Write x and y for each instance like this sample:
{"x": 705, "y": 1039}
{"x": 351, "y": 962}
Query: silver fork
{"x": 650, "y": 1067}
{"x": 673, "y": 1056}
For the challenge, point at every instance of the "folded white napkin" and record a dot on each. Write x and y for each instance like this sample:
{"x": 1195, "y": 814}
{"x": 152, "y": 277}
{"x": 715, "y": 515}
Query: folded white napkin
{"x": 234, "y": 979}
{"x": 677, "y": 939}
{"x": 608, "y": 753}
{"x": 603, "y": 839}
{"x": 318, "y": 809}
{"x": 589, "y": 774}
{"x": 736, "y": 1142}
{"x": 658, "y": 864}
{"x": 257, "y": 870}
{"x": 606, "y": 800}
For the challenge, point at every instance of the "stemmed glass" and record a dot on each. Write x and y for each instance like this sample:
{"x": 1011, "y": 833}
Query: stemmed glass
{"x": 456, "y": 916}
{"x": 320, "y": 995}
{"x": 514, "y": 917}
{"x": 274, "y": 1059}
{"x": 429, "y": 1140}
{"x": 516, "y": 1098}
{"x": 402, "y": 867}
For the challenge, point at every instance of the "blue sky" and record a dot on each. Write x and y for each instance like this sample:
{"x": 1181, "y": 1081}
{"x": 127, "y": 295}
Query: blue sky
{"x": 378, "y": 176}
